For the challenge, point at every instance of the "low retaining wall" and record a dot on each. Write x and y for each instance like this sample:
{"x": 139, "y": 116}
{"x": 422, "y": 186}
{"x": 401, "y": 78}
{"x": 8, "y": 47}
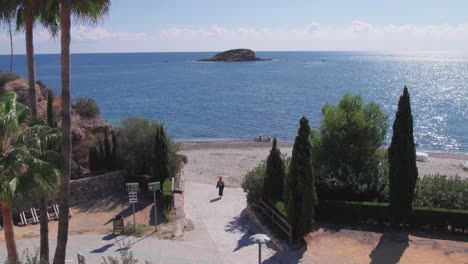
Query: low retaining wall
{"x": 178, "y": 196}
{"x": 84, "y": 190}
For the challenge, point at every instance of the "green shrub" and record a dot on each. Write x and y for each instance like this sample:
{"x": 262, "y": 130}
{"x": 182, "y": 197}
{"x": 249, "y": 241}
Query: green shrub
{"x": 347, "y": 150}
{"x": 86, "y": 107}
{"x": 137, "y": 230}
{"x": 168, "y": 215}
{"x": 252, "y": 183}
{"x": 28, "y": 257}
{"x": 440, "y": 191}
{"x": 136, "y": 146}
{"x": 280, "y": 208}
{"x": 369, "y": 212}
{"x": 6, "y": 77}
{"x": 167, "y": 187}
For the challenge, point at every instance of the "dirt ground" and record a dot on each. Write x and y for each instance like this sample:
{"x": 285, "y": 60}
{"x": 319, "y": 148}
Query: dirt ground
{"x": 344, "y": 244}
{"x": 95, "y": 217}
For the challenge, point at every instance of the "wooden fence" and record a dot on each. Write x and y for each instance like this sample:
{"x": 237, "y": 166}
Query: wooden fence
{"x": 276, "y": 219}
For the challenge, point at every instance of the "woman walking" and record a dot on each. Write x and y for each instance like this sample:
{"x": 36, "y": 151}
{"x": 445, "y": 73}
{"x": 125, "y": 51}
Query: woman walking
{"x": 220, "y": 186}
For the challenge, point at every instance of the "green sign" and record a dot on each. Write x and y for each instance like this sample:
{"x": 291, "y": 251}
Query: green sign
{"x": 133, "y": 186}
{"x": 154, "y": 186}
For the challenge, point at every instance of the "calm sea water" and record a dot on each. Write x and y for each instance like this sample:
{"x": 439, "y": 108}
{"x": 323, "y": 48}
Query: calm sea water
{"x": 206, "y": 100}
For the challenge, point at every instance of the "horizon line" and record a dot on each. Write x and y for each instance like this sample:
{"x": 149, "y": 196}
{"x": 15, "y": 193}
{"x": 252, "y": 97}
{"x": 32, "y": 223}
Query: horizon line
{"x": 214, "y": 51}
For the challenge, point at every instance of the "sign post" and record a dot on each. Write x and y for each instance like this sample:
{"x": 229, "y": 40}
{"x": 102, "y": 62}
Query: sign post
{"x": 155, "y": 186}
{"x": 133, "y": 189}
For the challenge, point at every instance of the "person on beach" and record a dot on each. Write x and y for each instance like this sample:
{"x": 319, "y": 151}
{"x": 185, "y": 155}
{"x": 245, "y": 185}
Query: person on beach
{"x": 220, "y": 186}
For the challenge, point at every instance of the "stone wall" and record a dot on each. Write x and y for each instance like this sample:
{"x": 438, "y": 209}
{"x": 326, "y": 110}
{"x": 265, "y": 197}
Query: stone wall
{"x": 84, "y": 190}
{"x": 178, "y": 202}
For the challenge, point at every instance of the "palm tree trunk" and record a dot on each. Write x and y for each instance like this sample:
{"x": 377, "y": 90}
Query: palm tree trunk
{"x": 44, "y": 251}
{"x": 9, "y": 233}
{"x": 29, "y": 21}
{"x": 62, "y": 236}
{"x": 11, "y": 45}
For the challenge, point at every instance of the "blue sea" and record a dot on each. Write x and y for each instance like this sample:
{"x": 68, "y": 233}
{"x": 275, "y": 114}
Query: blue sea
{"x": 230, "y": 101}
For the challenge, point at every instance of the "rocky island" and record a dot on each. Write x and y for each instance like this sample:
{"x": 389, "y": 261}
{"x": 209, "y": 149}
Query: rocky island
{"x": 235, "y": 55}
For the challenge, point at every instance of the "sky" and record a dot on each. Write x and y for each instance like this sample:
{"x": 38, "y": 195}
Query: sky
{"x": 264, "y": 25}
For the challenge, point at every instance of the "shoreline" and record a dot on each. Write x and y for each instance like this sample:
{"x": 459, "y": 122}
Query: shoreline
{"x": 199, "y": 144}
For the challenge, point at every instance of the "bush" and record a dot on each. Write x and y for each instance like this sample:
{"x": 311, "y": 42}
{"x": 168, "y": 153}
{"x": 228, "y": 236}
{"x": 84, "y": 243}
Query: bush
{"x": 440, "y": 191}
{"x": 252, "y": 183}
{"x": 137, "y": 230}
{"x": 136, "y": 146}
{"x": 369, "y": 212}
{"x": 349, "y": 161}
{"x": 86, "y": 107}
{"x": 6, "y": 77}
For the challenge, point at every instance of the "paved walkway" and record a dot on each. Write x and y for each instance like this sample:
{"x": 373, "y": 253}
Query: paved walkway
{"x": 220, "y": 235}
{"x": 221, "y": 225}
{"x": 95, "y": 247}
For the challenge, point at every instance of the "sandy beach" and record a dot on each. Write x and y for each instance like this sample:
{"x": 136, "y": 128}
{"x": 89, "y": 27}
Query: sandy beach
{"x": 232, "y": 159}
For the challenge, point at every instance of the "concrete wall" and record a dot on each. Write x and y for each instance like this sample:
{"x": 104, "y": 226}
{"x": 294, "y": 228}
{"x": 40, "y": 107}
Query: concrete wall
{"x": 84, "y": 190}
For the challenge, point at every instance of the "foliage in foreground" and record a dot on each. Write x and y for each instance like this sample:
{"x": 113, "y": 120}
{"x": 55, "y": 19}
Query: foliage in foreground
{"x": 28, "y": 258}
{"x": 253, "y": 181}
{"x": 137, "y": 147}
{"x": 86, "y": 107}
{"x": 137, "y": 231}
{"x": 125, "y": 256}
{"x": 300, "y": 195}
{"x": 369, "y": 212}
{"x": 403, "y": 172}
{"x": 439, "y": 191}
{"x": 275, "y": 174}
{"x": 347, "y": 150}
{"x": 6, "y": 77}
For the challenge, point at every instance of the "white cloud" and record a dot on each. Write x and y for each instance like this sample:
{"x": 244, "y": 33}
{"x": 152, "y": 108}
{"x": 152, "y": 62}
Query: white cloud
{"x": 358, "y": 35}
{"x": 359, "y": 26}
{"x": 314, "y": 27}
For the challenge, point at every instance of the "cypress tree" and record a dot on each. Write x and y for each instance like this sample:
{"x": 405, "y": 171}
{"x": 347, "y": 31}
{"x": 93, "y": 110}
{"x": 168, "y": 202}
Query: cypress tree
{"x": 274, "y": 178}
{"x": 107, "y": 151}
{"x": 50, "y": 109}
{"x": 300, "y": 192}
{"x": 403, "y": 172}
{"x": 114, "y": 151}
{"x": 93, "y": 159}
{"x": 161, "y": 155}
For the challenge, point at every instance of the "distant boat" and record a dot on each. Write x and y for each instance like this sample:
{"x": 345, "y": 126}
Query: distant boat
{"x": 324, "y": 59}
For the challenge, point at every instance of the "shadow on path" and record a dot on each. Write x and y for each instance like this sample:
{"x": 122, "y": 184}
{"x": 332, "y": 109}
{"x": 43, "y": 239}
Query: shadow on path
{"x": 241, "y": 225}
{"x": 102, "y": 249}
{"x": 215, "y": 200}
{"x": 130, "y": 243}
{"x": 390, "y": 248}
{"x": 287, "y": 256}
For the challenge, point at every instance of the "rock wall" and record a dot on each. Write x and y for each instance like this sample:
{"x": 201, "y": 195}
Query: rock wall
{"x": 84, "y": 190}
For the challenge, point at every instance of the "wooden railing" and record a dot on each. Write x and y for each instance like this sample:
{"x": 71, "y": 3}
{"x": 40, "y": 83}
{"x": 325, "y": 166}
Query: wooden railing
{"x": 276, "y": 219}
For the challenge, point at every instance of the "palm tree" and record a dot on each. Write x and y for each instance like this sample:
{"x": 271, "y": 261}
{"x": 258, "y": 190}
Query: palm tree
{"x": 28, "y": 12}
{"x": 88, "y": 10}
{"x": 23, "y": 161}
{"x": 7, "y": 13}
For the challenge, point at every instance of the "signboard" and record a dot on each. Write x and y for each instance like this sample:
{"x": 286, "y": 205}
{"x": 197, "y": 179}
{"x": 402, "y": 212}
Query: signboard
{"x": 133, "y": 199}
{"x": 133, "y": 186}
{"x": 132, "y": 196}
{"x": 154, "y": 186}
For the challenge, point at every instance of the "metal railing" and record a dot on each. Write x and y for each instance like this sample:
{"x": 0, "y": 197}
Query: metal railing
{"x": 276, "y": 219}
